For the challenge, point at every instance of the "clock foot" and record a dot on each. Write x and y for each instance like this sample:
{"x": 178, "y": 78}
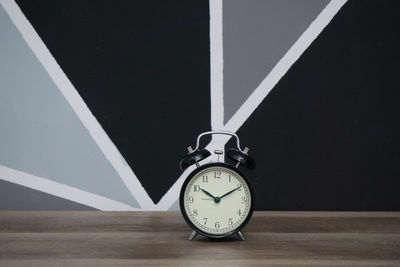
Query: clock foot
{"x": 192, "y": 235}
{"x": 241, "y": 236}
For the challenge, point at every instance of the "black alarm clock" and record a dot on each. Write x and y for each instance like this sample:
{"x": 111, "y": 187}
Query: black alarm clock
{"x": 216, "y": 199}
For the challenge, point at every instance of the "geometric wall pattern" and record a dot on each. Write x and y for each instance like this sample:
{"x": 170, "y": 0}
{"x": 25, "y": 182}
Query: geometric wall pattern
{"x": 45, "y": 137}
{"x": 40, "y": 133}
{"x": 327, "y": 133}
{"x": 257, "y": 34}
{"x": 17, "y": 197}
{"x": 111, "y": 55}
{"x": 98, "y": 100}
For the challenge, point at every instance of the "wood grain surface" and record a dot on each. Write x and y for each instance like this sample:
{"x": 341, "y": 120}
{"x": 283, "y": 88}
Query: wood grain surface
{"x": 98, "y": 238}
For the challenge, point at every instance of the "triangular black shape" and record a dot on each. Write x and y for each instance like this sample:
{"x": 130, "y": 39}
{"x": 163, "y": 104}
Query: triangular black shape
{"x": 143, "y": 70}
{"x": 327, "y": 136}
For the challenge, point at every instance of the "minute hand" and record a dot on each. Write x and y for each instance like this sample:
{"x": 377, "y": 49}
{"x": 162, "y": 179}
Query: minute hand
{"x": 224, "y": 195}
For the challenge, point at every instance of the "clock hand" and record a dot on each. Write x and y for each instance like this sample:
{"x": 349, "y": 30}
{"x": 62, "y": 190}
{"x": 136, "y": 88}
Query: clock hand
{"x": 216, "y": 199}
{"x": 207, "y": 193}
{"x": 224, "y": 195}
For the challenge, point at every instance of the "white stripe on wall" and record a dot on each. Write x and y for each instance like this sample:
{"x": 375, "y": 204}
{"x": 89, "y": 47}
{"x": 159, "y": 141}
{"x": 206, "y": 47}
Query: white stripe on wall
{"x": 216, "y": 65}
{"x": 61, "y": 190}
{"x": 68, "y": 90}
{"x": 259, "y": 94}
{"x": 280, "y": 69}
{"x": 104, "y": 142}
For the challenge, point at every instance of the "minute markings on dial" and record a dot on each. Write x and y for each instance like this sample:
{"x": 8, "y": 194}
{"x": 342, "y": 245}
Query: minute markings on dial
{"x": 228, "y": 217}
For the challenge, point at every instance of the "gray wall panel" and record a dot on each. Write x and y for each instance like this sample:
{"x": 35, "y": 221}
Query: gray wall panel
{"x": 256, "y": 34}
{"x": 40, "y": 132}
{"x": 16, "y": 197}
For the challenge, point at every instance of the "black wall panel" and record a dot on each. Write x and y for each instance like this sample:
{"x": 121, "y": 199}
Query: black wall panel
{"x": 327, "y": 136}
{"x": 143, "y": 69}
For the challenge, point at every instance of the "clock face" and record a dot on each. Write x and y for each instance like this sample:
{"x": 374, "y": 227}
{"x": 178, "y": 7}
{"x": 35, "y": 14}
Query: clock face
{"x": 216, "y": 200}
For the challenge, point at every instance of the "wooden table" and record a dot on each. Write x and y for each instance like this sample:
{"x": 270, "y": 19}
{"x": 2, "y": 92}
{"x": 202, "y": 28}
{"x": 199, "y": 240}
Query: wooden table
{"x": 98, "y": 238}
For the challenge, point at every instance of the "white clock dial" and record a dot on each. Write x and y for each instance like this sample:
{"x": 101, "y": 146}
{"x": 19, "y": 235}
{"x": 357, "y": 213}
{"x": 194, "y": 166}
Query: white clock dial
{"x": 217, "y": 200}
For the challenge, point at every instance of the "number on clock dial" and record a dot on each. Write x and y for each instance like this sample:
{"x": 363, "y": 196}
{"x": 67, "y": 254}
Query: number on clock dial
{"x": 217, "y": 205}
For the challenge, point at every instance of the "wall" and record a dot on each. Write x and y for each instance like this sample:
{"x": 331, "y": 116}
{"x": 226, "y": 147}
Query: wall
{"x": 100, "y": 99}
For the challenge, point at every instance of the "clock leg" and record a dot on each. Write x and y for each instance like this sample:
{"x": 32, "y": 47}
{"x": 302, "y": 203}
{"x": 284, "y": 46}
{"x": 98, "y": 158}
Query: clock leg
{"x": 241, "y": 236}
{"x": 192, "y": 235}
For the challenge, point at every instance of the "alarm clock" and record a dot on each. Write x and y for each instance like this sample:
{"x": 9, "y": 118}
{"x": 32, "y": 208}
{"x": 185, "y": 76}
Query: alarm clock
{"x": 216, "y": 199}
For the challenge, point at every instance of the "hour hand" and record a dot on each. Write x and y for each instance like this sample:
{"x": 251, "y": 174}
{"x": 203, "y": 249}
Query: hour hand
{"x": 207, "y": 193}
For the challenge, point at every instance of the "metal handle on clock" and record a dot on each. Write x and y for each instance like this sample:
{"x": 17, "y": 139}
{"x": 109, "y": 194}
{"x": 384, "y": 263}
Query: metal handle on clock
{"x": 218, "y": 132}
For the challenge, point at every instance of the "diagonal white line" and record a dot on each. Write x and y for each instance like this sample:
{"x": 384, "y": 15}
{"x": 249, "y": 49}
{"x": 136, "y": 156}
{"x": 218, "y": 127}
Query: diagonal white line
{"x": 216, "y": 65}
{"x": 61, "y": 190}
{"x": 284, "y": 64}
{"x": 265, "y": 86}
{"x": 68, "y": 90}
